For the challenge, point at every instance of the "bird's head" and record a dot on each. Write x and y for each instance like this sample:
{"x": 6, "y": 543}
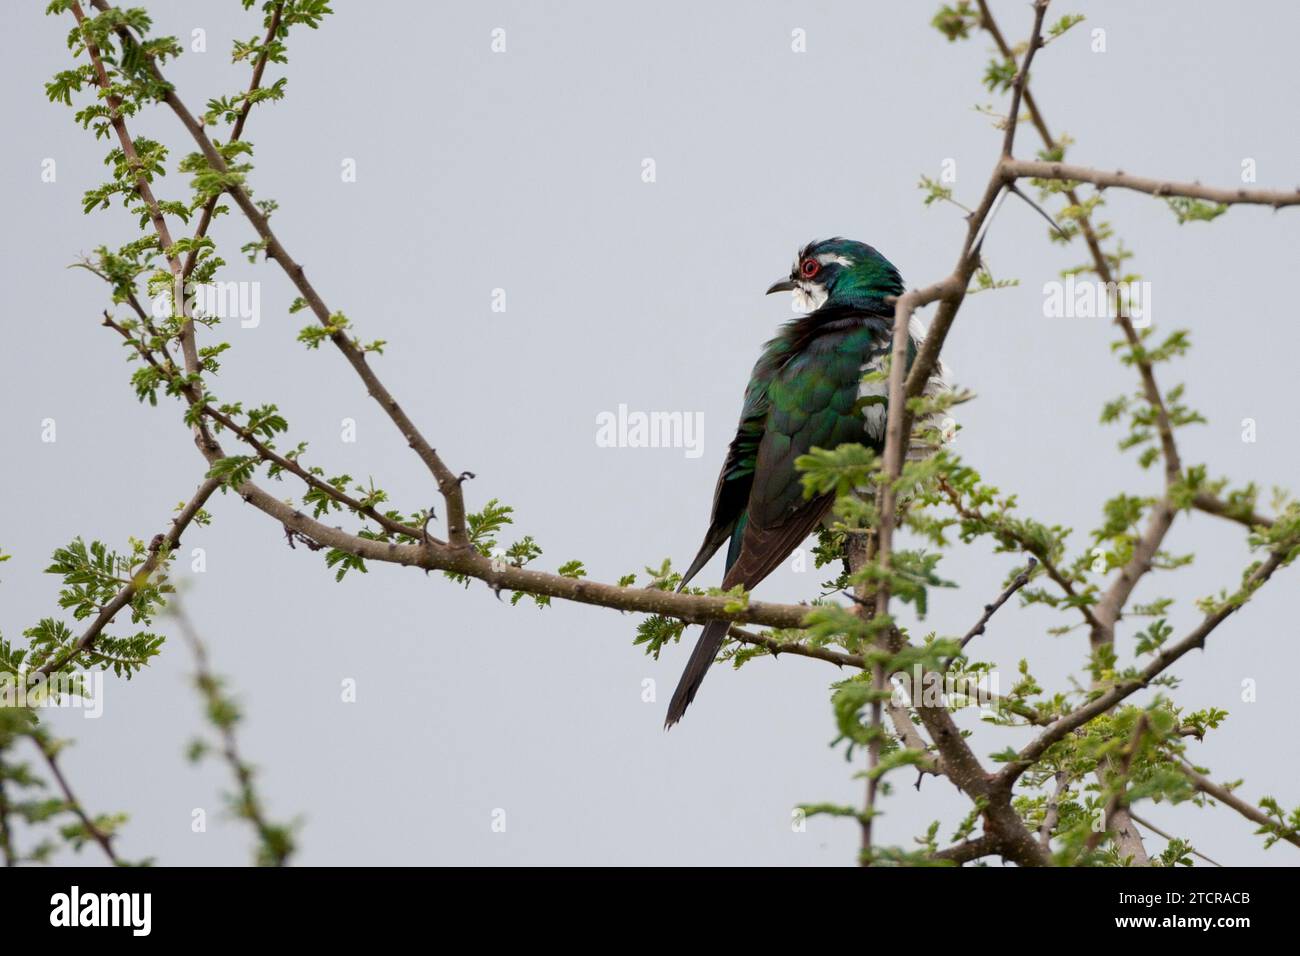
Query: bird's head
{"x": 839, "y": 272}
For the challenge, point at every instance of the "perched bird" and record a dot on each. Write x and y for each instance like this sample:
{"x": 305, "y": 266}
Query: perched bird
{"x": 806, "y": 391}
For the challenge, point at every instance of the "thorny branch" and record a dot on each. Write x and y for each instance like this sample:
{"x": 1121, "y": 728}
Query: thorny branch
{"x": 1005, "y": 832}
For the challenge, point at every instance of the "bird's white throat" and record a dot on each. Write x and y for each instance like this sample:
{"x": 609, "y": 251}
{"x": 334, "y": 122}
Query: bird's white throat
{"x": 807, "y": 296}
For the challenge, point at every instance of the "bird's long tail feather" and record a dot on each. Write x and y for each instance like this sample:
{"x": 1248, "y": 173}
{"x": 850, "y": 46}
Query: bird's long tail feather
{"x": 706, "y": 649}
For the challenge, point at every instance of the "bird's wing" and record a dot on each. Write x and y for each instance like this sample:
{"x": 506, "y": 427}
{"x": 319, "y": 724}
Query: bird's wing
{"x": 762, "y": 548}
{"x": 737, "y": 475}
{"x": 778, "y": 517}
{"x": 812, "y": 404}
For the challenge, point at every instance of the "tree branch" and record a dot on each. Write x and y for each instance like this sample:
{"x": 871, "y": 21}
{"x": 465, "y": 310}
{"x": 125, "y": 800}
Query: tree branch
{"x": 1053, "y": 813}
{"x": 143, "y": 190}
{"x": 960, "y": 764}
{"x": 1020, "y": 581}
{"x": 968, "y": 850}
{"x": 777, "y": 648}
{"x": 1228, "y": 798}
{"x": 264, "y": 451}
{"x": 49, "y": 751}
{"x": 1118, "y": 785}
{"x": 1213, "y": 505}
{"x": 459, "y": 558}
{"x": 1118, "y": 692}
{"x": 1029, "y": 547}
{"x": 237, "y": 130}
{"x": 1161, "y": 833}
{"x": 1026, "y": 545}
{"x": 1029, "y": 169}
{"x": 159, "y": 548}
{"x": 274, "y": 842}
{"x": 449, "y": 484}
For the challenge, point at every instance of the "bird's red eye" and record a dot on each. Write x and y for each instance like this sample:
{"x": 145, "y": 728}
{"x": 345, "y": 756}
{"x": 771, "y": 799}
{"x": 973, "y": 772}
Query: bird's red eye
{"x": 809, "y": 268}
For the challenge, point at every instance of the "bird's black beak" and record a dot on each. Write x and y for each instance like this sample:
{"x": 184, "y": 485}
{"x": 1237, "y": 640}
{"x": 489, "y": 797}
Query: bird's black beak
{"x": 785, "y": 285}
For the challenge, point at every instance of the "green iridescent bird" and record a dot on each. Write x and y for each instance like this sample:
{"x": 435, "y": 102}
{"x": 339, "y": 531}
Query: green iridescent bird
{"x": 806, "y": 392}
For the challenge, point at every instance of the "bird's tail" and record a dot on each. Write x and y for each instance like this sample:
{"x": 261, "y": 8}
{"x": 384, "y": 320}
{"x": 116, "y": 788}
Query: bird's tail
{"x": 706, "y": 649}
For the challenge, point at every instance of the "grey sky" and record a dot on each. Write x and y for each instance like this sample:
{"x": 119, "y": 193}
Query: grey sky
{"x": 522, "y": 171}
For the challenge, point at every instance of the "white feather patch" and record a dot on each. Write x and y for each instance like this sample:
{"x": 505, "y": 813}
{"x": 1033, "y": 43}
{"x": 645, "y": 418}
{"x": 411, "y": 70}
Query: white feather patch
{"x": 875, "y": 414}
{"x": 808, "y": 296}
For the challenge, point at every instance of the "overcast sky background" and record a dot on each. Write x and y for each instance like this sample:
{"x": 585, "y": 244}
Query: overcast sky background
{"x": 522, "y": 171}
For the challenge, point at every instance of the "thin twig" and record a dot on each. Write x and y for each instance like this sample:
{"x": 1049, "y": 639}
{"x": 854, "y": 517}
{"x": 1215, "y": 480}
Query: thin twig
{"x": 1029, "y": 547}
{"x": 1215, "y": 506}
{"x": 1020, "y": 581}
{"x": 159, "y": 549}
{"x": 49, "y": 751}
{"x": 275, "y": 846}
{"x": 1119, "y": 692}
{"x": 236, "y": 131}
{"x": 777, "y": 648}
{"x": 142, "y": 188}
{"x": 1228, "y": 798}
{"x": 264, "y": 451}
{"x": 1161, "y": 833}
